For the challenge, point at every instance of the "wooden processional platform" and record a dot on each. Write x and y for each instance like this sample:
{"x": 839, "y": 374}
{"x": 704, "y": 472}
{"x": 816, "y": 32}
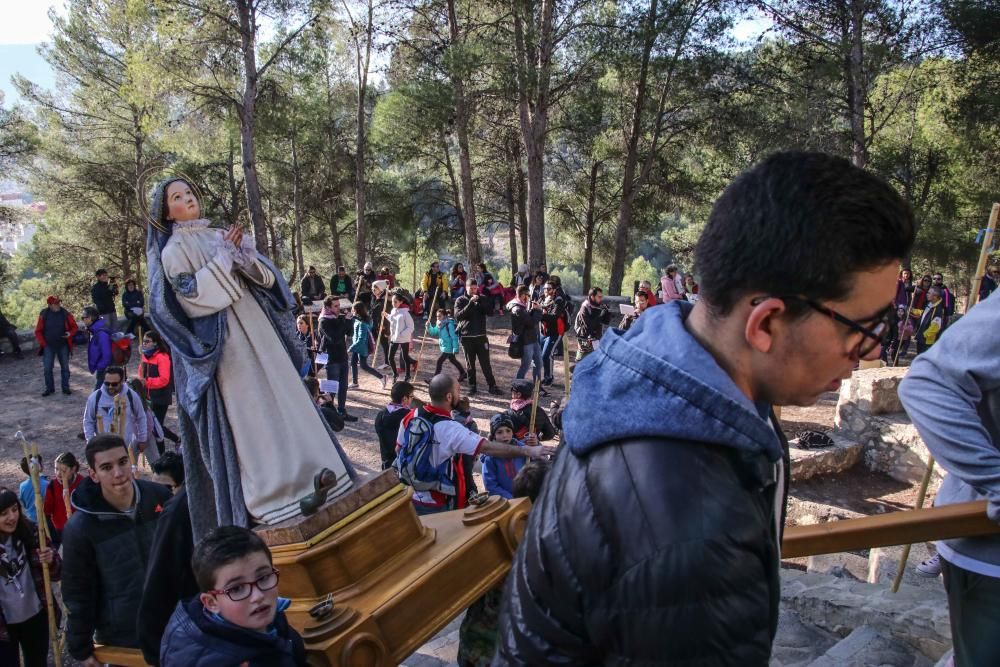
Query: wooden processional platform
{"x": 371, "y": 582}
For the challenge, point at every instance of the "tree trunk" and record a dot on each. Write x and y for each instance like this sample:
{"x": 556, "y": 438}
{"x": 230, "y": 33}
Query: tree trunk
{"x": 298, "y": 261}
{"x": 338, "y": 255}
{"x": 456, "y": 192}
{"x": 247, "y": 17}
{"x": 629, "y": 182}
{"x": 591, "y": 228}
{"x": 360, "y": 187}
{"x": 522, "y": 200}
{"x": 856, "y": 85}
{"x": 511, "y": 226}
{"x": 473, "y": 252}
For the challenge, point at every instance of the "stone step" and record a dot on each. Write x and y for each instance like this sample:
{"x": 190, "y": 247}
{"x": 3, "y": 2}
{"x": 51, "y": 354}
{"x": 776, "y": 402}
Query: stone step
{"x": 807, "y": 463}
{"x": 797, "y": 644}
{"x": 866, "y": 647}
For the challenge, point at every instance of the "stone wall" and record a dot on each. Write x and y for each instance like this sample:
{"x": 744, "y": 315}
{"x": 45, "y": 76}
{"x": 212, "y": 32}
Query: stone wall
{"x": 869, "y": 412}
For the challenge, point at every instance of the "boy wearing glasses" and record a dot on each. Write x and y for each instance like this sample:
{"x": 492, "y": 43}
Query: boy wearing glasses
{"x": 99, "y": 413}
{"x": 106, "y": 546}
{"x": 238, "y": 619}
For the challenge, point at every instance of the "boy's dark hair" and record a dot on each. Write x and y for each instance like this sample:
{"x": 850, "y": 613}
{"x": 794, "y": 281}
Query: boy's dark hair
{"x": 799, "y": 224}
{"x": 170, "y": 464}
{"x": 101, "y": 443}
{"x": 221, "y": 547}
{"x": 463, "y": 405}
{"x": 529, "y": 480}
{"x": 400, "y": 390}
{"x": 312, "y": 386}
{"x": 100, "y": 272}
{"x": 24, "y": 465}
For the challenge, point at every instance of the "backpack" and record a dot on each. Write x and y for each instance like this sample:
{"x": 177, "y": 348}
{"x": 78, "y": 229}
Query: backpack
{"x": 121, "y": 351}
{"x": 413, "y": 462}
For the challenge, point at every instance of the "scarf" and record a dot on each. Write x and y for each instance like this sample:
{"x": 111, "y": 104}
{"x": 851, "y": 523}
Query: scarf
{"x": 518, "y": 404}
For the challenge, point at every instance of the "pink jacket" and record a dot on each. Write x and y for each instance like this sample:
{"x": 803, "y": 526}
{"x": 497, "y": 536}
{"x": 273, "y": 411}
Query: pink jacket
{"x": 669, "y": 288}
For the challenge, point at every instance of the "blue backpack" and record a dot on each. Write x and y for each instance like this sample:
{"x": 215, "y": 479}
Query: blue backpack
{"x": 413, "y": 462}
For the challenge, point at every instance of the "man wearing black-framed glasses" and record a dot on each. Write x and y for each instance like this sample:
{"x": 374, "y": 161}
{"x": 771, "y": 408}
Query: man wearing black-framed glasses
{"x": 657, "y": 536}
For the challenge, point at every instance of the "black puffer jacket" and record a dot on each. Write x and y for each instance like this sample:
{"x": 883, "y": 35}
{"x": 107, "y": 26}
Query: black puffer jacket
{"x": 105, "y": 553}
{"x": 655, "y": 538}
{"x": 471, "y": 316}
{"x": 524, "y": 322}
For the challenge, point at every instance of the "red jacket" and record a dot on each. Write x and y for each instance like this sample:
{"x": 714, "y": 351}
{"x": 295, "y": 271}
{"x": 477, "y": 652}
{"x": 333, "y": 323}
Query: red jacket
{"x": 55, "y": 506}
{"x": 71, "y": 329}
{"x": 155, "y": 372}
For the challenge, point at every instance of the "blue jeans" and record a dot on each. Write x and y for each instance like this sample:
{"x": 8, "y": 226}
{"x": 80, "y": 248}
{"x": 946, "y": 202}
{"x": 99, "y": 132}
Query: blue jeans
{"x": 338, "y": 371}
{"x": 531, "y": 352}
{"x": 548, "y": 347}
{"x": 48, "y": 362}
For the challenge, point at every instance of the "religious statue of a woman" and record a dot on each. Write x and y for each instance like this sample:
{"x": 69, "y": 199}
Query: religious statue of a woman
{"x": 255, "y": 444}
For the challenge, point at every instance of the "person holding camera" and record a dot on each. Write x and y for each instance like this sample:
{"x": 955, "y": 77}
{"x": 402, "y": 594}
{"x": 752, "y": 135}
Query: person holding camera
{"x": 103, "y": 293}
{"x": 590, "y": 322}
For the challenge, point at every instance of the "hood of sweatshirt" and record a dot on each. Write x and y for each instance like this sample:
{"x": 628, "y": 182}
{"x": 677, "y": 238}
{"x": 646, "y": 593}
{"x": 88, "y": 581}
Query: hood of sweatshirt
{"x": 87, "y": 498}
{"x": 659, "y": 382}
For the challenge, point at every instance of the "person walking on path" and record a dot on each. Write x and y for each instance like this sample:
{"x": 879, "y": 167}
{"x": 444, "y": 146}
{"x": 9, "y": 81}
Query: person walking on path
{"x": 525, "y": 318}
{"x": 334, "y": 327}
{"x": 362, "y": 342}
{"x": 99, "y": 348}
{"x": 156, "y": 372}
{"x": 471, "y": 310}
{"x": 54, "y": 332}
{"x": 448, "y": 341}
{"x": 103, "y": 293}
{"x": 400, "y": 335}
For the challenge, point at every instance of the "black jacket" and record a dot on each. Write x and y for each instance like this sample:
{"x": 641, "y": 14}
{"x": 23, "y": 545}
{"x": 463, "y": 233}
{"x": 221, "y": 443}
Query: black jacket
{"x": 105, "y": 554}
{"x": 133, "y": 299}
{"x": 169, "y": 578}
{"x": 103, "y": 296}
{"x": 387, "y": 428}
{"x": 471, "y": 316}
{"x": 311, "y": 287}
{"x": 655, "y": 539}
{"x": 333, "y": 332}
{"x": 524, "y": 322}
{"x": 522, "y": 421}
{"x": 590, "y": 321}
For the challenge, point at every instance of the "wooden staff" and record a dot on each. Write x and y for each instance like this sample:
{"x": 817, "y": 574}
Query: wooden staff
{"x": 100, "y": 422}
{"x": 565, "y": 340}
{"x": 984, "y": 255}
{"x": 34, "y": 469}
{"x": 534, "y": 404}
{"x": 381, "y": 326}
{"x": 423, "y": 341}
{"x": 69, "y": 506}
{"x": 312, "y": 343}
{"x": 919, "y": 504}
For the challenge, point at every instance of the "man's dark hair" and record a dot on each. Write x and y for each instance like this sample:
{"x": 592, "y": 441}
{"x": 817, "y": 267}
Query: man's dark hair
{"x": 170, "y": 464}
{"x": 115, "y": 370}
{"x": 799, "y": 224}
{"x": 221, "y": 547}
{"x": 472, "y": 281}
{"x": 400, "y": 390}
{"x": 91, "y": 312}
{"x": 440, "y": 386}
{"x": 101, "y": 443}
{"x": 594, "y": 291}
{"x": 529, "y": 480}
{"x": 311, "y": 268}
{"x": 100, "y": 272}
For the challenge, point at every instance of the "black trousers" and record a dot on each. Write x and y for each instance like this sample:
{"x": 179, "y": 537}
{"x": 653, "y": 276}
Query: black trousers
{"x": 448, "y": 356}
{"x": 160, "y": 412}
{"x": 32, "y": 636}
{"x": 973, "y": 601}
{"x": 478, "y": 348}
{"x": 407, "y": 361}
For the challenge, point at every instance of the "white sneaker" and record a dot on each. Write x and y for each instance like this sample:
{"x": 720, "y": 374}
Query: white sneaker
{"x": 384, "y": 367}
{"x": 385, "y": 381}
{"x": 930, "y": 568}
{"x": 353, "y": 385}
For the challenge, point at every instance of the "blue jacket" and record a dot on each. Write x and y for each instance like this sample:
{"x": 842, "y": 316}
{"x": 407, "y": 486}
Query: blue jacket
{"x": 99, "y": 348}
{"x": 671, "y": 510}
{"x": 193, "y": 639}
{"x": 359, "y": 342}
{"x": 499, "y": 474}
{"x": 27, "y": 494}
{"x": 447, "y": 336}
{"x": 952, "y": 394}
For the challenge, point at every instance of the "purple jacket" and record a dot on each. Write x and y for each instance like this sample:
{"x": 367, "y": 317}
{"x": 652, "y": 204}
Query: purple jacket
{"x": 99, "y": 349}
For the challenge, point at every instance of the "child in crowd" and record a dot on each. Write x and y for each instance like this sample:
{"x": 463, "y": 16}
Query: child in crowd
{"x": 238, "y": 619}
{"x": 325, "y": 403}
{"x": 57, "y": 495}
{"x": 153, "y": 426}
{"x": 24, "y": 621}
{"x": 26, "y": 491}
{"x": 168, "y": 470}
{"x": 448, "y": 341}
{"x": 400, "y": 335}
{"x": 477, "y": 637}
{"x": 362, "y": 344}
{"x": 499, "y": 474}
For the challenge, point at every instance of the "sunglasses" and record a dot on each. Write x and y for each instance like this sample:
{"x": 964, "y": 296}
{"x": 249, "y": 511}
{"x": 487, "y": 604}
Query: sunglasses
{"x": 112, "y": 385}
{"x": 871, "y": 338}
{"x": 240, "y": 592}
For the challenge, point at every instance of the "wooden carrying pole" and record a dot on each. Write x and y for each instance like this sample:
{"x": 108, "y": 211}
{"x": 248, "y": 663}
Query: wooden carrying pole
{"x": 34, "y": 468}
{"x": 381, "y": 327}
{"x": 534, "y": 404}
{"x": 423, "y": 340}
{"x": 984, "y": 255}
{"x": 919, "y": 504}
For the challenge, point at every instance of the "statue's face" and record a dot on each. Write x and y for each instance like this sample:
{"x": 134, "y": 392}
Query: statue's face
{"x": 182, "y": 205}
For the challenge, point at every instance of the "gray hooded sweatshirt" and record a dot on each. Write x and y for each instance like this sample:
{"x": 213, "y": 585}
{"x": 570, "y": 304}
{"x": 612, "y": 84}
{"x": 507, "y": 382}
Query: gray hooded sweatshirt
{"x": 952, "y": 394}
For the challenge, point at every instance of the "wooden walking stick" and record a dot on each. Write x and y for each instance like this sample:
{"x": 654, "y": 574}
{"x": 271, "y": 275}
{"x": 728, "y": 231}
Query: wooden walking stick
{"x": 924, "y": 483}
{"x": 534, "y": 404}
{"x": 423, "y": 341}
{"x": 381, "y": 327}
{"x": 984, "y": 255}
{"x": 34, "y": 468}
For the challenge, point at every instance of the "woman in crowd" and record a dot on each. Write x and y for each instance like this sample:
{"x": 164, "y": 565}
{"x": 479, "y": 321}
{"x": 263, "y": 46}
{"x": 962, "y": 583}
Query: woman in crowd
{"x": 155, "y": 371}
{"x": 457, "y": 282}
{"x": 59, "y": 490}
{"x": 24, "y": 620}
{"x": 362, "y": 344}
{"x": 400, "y": 335}
{"x": 308, "y": 339}
{"x": 904, "y": 288}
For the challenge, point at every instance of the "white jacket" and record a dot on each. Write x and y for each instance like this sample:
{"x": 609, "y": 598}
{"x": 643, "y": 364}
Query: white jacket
{"x": 400, "y": 326}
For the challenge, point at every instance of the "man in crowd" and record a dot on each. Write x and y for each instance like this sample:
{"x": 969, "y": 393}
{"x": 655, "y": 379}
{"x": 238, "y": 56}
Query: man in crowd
{"x": 388, "y": 419}
{"x": 9, "y": 331}
{"x": 99, "y": 348}
{"x": 366, "y": 279}
{"x": 385, "y": 274}
{"x": 989, "y": 282}
{"x": 553, "y": 326}
{"x": 312, "y": 286}
{"x": 951, "y": 393}
{"x": 341, "y": 286}
{"x": 590, "y": 322}
{"x": 932, "y": 320}
{"x": 656, "y": 539}
{"x": 435, "y": 288}
{"x": 947, "y": 299}
{"x": 471, "y": 310}
{"x": 103, "y": 293}
{"x": 642, "y": 300}
{"x": 54, "y": 332}
{"x": 106, "y": 546}
{"x": 381, "y": 302}
{"x": 101, "y": 406}
{"x": 438, "y": 481}
{"x": 524, "y": 320}
{"x": 522, "y": 277}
